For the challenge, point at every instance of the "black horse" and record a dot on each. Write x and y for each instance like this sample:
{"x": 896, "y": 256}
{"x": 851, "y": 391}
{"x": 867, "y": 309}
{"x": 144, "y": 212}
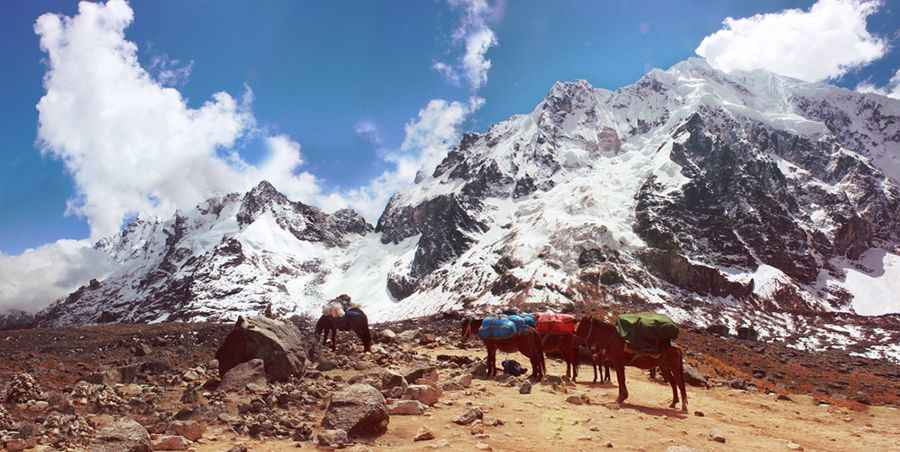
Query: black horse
{"x": 354, "y": 319}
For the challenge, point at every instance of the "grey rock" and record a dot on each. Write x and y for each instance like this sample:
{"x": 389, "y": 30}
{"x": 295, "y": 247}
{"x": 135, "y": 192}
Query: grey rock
{"x": 122, "y": 435}
{"x": 277, "y": 343}
{"x": 238, "y": 377}
{"x": 359, "y": 409}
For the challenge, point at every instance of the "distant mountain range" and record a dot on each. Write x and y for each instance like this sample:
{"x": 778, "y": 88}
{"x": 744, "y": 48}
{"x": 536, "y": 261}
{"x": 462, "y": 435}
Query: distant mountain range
{"x": 722, "y": 199}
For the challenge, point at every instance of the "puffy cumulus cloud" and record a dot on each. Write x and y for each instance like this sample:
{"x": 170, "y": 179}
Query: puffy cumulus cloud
{"x": 477, "y": 38}
{"x": 33, "y": 279}
{"x": 892, "y": 89}
{"x": 824, "y": 42}
{"x": 368, "y": 132}
{"x": 427, "y": 140}
{"x": 133, "y": 145}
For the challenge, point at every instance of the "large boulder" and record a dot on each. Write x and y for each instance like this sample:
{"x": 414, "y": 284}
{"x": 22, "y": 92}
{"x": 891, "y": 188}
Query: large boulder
{"x": 277, "y": 343}
{"x": 359, "y": 409}
{"x": 122, "y": 435}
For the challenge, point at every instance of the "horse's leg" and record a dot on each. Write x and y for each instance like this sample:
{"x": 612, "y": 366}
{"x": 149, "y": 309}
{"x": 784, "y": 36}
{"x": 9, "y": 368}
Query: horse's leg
{"x": 492, "y": 360}
{"x": 534, "y": 357}
{"x": 678, "y": 376}
{"x": 334, "y": 339}
{"x": 620, "y": 379}
{"x": 666, "y": 372}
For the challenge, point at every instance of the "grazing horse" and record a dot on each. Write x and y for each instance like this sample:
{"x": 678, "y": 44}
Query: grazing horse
{"x": 526, "y": 342}
{"x": 670, "y": 361}
{"x": 334, "y": 318}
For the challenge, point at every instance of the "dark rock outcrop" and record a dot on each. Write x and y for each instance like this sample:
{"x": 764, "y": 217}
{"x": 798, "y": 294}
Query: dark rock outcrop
{"x": 277, "y": 343}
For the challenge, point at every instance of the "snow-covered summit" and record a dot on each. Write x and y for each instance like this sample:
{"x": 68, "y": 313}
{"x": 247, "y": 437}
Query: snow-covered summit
{"x": 717, "y": 197}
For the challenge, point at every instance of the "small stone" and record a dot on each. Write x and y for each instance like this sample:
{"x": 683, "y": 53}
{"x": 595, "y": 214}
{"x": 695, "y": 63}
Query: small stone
{"x": 171, "y": 442}
{"x": 16, "y": 445}
{"x": 326, "y": 365}
{"x": 388, "y": 334}
{"x": 470, "y": 416}
{"x": 784, "y": 398}
{"x": 440, "y": 444}
{"x": 332, "y": 438}
{"x": 429, "y": 395}
{"x": 716, "y": 435}
{"x": 191, "y": 430}
{"x": 794, "y": 446}
{"x": 680, "y": 449}
{"x": 406, "y": 408}
{"x": 525, "y": 388}
{"x": 699, "y": 413}
{"x": 575, "y": 400}
{"x": 483, "y": 446}
{"x": 423, "y": 434}
{"x": 608, "y": 445}
{"x": 477, "y": 428}
{"x": 39, "y": 407}
{"x": 464, "y": 380}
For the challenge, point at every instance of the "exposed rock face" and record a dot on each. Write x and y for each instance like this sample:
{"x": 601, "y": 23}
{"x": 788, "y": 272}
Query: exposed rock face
{"x": 278, "y": 344}
{"x": 359, "y": 409}
{"x": 708, "y": 195}
{"x": 698, "y": 278}
{"x": 231, "y": 255}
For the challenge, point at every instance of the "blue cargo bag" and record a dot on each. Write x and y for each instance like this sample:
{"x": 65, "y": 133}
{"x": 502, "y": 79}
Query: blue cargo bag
{"x": 497, "y": 328}
{"x": 522, "y": 321}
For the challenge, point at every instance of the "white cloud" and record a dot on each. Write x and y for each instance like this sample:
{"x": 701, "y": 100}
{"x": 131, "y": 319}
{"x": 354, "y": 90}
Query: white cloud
{"x": 170, "y": 72}
{"x": 892, "y": 89}
{"x": 427, "y": 140}
{"x": 474, "y": 62}
{"x": 133, "y": 145}
{"x": 824, "y": 42}
{"x": 477, "y": 38}
{"x": 368, "y": 132}
{"x": 34, "y": 279}
{"x": 447, "y": 71}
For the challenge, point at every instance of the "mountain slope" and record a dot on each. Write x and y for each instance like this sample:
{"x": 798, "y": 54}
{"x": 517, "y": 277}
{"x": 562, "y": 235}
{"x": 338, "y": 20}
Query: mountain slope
{"x": 737, "y": 199}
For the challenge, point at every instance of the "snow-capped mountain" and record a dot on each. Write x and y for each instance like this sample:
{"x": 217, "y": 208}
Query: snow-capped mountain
{"x": 736, "y": 199}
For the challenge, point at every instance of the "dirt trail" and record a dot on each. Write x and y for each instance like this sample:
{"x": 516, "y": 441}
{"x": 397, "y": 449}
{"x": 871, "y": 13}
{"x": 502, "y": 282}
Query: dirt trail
{"x": 544, "y": 421}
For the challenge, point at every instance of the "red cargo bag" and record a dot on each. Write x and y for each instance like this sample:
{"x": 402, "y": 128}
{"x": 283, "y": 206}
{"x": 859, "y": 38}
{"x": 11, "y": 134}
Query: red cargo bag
{"x": 552, "y": 323}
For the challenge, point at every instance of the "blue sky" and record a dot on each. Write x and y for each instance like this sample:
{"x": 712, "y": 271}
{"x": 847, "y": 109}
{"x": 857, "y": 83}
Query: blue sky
{"x": 319, "y": 69}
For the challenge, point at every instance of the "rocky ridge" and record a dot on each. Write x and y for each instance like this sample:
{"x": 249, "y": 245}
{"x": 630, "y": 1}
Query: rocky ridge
{"x": 738, "y": 199}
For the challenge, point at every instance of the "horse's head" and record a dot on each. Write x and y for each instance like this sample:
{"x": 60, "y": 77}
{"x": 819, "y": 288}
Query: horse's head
{"x": 470, "y": 326}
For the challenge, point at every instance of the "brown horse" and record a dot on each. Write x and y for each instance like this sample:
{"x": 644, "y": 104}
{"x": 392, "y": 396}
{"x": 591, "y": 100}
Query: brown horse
{"x": 526, "y": 342}
{"x": 670, "y": 361}
{"x": 567, "y": 346}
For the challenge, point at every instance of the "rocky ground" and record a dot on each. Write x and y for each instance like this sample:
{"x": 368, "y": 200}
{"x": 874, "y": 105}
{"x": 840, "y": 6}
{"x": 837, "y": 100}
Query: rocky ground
{"x": 157, "y": 387}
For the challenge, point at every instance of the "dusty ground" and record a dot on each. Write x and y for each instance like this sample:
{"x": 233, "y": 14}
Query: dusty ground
{"x": 543, "y": 421}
